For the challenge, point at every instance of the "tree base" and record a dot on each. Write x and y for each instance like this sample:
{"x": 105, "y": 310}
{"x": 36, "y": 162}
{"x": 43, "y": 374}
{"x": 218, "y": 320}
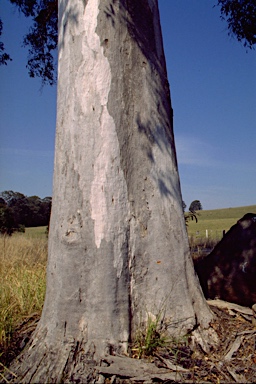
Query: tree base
{"x": 76, "y": 362}
{"x": 71, "y": 363}
{"x": 80, "y": 368}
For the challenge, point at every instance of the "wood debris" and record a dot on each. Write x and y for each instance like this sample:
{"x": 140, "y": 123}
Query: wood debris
{"x": 238, "y": 378}
{"x": 232, "y": 361}
{"x": 235, "y": 307}
{"x": 136, "y": 370}
{"x": 170, "y": 365}
{"x": 234, "y": 347}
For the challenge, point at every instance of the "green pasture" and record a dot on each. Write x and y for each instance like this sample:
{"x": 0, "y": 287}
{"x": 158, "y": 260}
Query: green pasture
{"x": 216, "y": 221}
{"x": 35, "y": 232}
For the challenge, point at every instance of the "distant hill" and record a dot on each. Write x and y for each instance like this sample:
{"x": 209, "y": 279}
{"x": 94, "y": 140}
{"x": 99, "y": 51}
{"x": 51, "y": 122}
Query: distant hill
{"x": 217, "y": 220}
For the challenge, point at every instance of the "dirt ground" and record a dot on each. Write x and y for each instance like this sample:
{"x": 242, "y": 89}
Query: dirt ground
{"x": 234, "y": 360}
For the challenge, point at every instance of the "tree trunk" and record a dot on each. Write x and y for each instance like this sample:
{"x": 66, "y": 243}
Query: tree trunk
{"x": 118, "y": 248}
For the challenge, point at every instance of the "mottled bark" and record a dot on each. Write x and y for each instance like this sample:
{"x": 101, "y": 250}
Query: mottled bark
{"x": 118, "y": 247}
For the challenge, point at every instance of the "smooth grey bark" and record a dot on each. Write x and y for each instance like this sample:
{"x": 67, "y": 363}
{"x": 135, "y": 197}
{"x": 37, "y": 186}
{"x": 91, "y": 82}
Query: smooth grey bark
{"x": 118, "y": 248}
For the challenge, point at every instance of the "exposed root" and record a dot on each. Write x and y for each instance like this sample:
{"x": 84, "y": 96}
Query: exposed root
{"x": 232, "y": 360}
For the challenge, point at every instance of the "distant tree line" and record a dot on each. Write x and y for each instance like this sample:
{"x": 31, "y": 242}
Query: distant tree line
{"x": 18, "y": 211}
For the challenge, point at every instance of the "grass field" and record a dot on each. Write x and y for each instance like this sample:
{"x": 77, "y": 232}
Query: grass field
{"x": 215, "y": 222}
{"x": 36, "y": 232}
{"x": 23, "y": 259}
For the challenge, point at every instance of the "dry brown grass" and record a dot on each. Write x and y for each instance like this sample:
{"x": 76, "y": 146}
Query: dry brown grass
{"x": 22, "y": 281}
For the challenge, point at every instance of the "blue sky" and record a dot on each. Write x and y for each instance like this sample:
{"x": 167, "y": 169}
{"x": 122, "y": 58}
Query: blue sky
{"x": 213, "y": 89}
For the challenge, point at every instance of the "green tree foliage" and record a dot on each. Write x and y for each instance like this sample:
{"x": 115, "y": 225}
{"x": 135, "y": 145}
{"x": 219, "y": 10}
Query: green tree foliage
{"x": 191, "y": 214}
{"x": 42, "y": 38}
{"x": 27, "y": 211}
{"x": 6, "y": 219}
{"x": 195, "y": 206}
{"x": 4, "y": 57}
{"x": 9, "y": 196}
{"x": 241, "y": 18}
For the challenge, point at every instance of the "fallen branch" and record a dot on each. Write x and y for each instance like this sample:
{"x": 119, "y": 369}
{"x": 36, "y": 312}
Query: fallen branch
{"x": 136, "y": 370}
{"x": 170, "y": 365}
{"x": 235, "y": 307}
{"x": 247, "y": 332}
{"x": 236, "y": 377}
{"x": 234, "y": 347}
